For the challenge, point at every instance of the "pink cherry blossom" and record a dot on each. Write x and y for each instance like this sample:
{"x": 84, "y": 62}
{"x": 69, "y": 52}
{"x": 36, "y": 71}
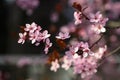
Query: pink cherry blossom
{"x": 31, "y": 28}
{"x": 98, "y": 28}
{"x": 95, "y": 17}
{"x": 22, "y": 37}
{"x": 64, "y": 33}
{"x": 100, "y": 52}
{"x": 44, "y": 35}
{"x": 55, "y": 65}
{"x": 78, "y": 17}
{"x": 67, "y": 62}
{"x": 47, "y": 45}
{"x": 63, "y": 36}
{"x": 34, "y": 36}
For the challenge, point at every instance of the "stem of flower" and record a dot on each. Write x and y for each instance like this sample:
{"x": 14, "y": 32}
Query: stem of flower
{"x": 109, "y": 54}
{"x": 96, "y": 41}
{"x": 114, "y": 51}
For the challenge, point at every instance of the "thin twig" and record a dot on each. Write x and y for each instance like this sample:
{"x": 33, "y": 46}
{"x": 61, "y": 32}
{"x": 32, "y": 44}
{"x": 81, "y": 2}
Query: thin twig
{"x": 114, "y": 51}
{"x": 113, "y": 27}
{"x": 96, "y": 41}
{"x": 109, "y": 54}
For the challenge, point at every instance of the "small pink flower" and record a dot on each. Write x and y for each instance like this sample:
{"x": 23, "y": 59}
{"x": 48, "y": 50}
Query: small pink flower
{"x": 47, "y": 46}
{"x": 100, "y": 52}
{"x": 22, "y": 37}
{"x": 55, "y": 65}
{"x": 78, "y": 17}
{"x": 66, "y": 63}
{"x": 64, "y": 33}
{"x": 98, "y": 28}
{"x": 95, "y": 17}
{"x": 103, "y": 21}
{"x": 31, "y": 28}
{"x": 45, "y": 35}
{"x": 34, "y": 36}
{"x": 63, "y": 36}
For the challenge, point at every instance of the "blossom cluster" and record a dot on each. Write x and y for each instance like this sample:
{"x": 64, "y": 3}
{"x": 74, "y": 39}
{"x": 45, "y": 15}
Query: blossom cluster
{"x": 35, "y": 34}
{"x": 79, "y": 55}
{"x": 97, "y": 20}
{"x": 81, "y": 58}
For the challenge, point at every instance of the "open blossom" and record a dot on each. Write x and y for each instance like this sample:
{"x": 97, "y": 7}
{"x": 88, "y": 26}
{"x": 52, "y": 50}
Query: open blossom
{"x": 22, "y": 37}
{"x": 34, "y": 36}
{"x": 100, "y": 52}
{"x": 67, "y": 62}
{"x": 81, "y": 48}
{"x": 47, "y": 45}
{"x": 31, "y": 28}
{"x": 95, "y": 17}
{"x": 55, "y": 65}
{"x": 98, "y": 28}
{"x": 64, "y": 33}
{"x": 78, "y": 17}
{"x": 45, "y": 35}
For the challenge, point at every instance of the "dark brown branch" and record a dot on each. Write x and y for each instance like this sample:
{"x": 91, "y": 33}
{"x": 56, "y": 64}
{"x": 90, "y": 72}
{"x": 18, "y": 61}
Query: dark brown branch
{"x": 96, "y": 41}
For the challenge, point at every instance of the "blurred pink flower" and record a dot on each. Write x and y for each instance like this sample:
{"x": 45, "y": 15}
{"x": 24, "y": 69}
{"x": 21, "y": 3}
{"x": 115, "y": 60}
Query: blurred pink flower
{"x": 23, "y": 61}
{"x": 95, "y": 17}
{"x": 28, "y": 5}
{"x": 55, "y": 65}
{"x": 64, "y": 33}
{"x": 98, "y": 28}
{"x": 67, "y": 62}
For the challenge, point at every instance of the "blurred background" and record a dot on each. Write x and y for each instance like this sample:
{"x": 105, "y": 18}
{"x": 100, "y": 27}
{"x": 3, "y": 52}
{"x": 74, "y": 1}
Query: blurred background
{"x": 27, "y": 62}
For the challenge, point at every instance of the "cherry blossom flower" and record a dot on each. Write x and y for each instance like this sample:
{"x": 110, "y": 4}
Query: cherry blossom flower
{"x": 78, "y": 17}
{"x": 67, "y": 62}
{"x": 31, "y": 28}
{"x": 45, "y": 35}
{"x": 64, "y": 33}
{"x": 63, "y": 36}
{"x": 22, "y": 37}
{"x": 100, "y": 52}
{"x": 47, "y": 45}
{"x": 34, "y": 36}
{"x": 95, "y": 17}
{"x": 99, "y": 23}
{"x": 55, "y": 65}
{"x": 97, "y": 28}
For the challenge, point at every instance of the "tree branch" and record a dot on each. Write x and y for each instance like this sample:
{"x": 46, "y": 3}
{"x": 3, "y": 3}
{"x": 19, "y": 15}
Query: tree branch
{"x": 96, "y": 41}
